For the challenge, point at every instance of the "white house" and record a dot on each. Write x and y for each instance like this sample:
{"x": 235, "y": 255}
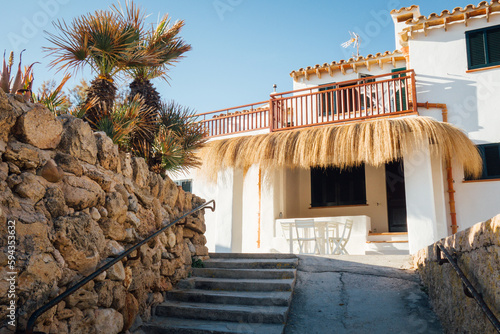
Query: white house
{"x": 372, "y": 139}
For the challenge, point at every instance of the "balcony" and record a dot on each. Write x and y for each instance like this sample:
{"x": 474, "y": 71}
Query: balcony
{"x": 369, "y": 97}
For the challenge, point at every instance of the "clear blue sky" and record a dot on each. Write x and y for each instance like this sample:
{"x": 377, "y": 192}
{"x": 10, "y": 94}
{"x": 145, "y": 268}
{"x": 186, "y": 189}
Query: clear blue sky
{"x": 240, "y": 47}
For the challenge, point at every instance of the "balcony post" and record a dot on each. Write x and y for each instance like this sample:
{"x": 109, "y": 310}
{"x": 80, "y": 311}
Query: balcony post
{"x": 271, "y": 112}
{"x": 414, "y": 91}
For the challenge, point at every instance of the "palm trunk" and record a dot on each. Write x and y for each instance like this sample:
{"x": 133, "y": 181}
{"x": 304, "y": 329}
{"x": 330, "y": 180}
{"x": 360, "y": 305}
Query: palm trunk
{"x": 145, "y": 89}
{"x": 103, "y": 92}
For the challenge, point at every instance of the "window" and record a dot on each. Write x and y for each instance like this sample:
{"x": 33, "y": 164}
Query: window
{"x": 334, "y": 187}
{"x": 483, "y": 47}
{"x": 491, "y": 161}
{"x": 326, "y": 100}
{"x": 186, "y": 185}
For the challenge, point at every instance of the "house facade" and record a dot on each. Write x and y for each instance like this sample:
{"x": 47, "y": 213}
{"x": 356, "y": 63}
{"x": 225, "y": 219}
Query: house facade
{"x": 390, "y": 141}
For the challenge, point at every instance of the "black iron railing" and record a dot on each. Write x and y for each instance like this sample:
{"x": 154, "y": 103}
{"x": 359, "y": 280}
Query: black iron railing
{"x": 469, "y": 289}
{"x": 106, "y": 266}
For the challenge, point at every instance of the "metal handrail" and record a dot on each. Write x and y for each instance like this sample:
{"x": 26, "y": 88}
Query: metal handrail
{"x": 469, "y": 289}
{"x": 85, "y": 280}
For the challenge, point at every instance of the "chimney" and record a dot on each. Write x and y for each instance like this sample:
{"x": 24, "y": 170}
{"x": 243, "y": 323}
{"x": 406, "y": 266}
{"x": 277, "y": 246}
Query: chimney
{"x": 399, "y": 17}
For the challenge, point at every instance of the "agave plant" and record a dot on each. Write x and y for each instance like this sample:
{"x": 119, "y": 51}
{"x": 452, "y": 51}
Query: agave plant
{"x": 178, "y": 138}
{"x": 130, "y": 118}
{"x": 23, "y": 81}
{"x": 107, "y": 41}
{"x": 53, "y": 99}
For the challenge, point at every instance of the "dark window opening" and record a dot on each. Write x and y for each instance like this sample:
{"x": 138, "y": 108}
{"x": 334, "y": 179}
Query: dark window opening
{"x": 491, "y": 161}
{"x": 187, "y": 185}
{"x": 483, "y": 47}
{"x": 334, "y": 187}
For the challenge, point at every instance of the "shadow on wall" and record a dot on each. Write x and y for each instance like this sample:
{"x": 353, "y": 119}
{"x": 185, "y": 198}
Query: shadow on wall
{"x": 463, "y": 112}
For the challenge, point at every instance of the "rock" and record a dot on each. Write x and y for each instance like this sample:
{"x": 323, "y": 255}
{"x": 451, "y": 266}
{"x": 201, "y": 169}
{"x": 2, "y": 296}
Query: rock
{"x": 132, "y": 219}
{"x": 122, "y": 191}
{"x": 116, "y": 272}
{"x": 69, "y": 164}
{"x": 22, "y": 155}
{"x": 104, "y": 290}
{"x": 107, "y": 152}
{"x": 133, "y": 204}
{"x": 51, "y": 172}
{"x": 33, "y": 238}
{"x": 201, "y": 250}
{"x": 102, "y": 179}
{"x": 128, "y": 278}
{"x": 167, "y": 267}
{"x": 132, "y": 235}
{"x": 22, "y": 209}
{"x": 55, "y": 203}
{"x": 80, "y": 241}
{"x": 117, "y": 209}
{"x": 78, "y": 139}
{"x": 172, "y": 240}
{"x": 39, "y": 127}
{"x": 190, "y": 246}
{"x": 130, "y": 311}
{"x": 30, "y": 187}
{"x": 82, "y": 299}
{"x": 94, "y": 213}
{"x": 140, "y": 171}
{"x": 8, "y": 116}
{"x": 4, "y": 171}
{"x": 114, "y": 248}
{"x": 145, "y": 198}
{"x": 40, "y": 270}
{"x": 126, "y": 164}
{"x": 13, "y": 169}
{"x": 108, "y": 321}
{"x": 169, "y": 193}
{"x": 112, "y": 229}
{"x": 81, "y": 192}
{"x": 103, "y": 212}
{"x": 13, "y": 180}
{"x": 101, "y": 277}
{"x": 82, "y": 322}
{"x": 196, "y": 224}
{"x": 65, "y": 314}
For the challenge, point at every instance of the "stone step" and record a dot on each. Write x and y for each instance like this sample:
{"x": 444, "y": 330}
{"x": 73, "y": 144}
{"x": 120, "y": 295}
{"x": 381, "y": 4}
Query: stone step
{"x": 231, "y": 284}
{"x": 251, "y": 256}
{"x": 274, "y": 298}
{"x": 251, "y": 263}
{"x": 244, "y": 273}
{"x": 221, "y": 312}
{"x": 169, "y": 325}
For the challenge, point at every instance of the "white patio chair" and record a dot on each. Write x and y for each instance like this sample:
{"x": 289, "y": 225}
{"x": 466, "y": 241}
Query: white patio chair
{"x": 288, "y": 232}
{"x": 337, "y": 244}
{"x": 306, "y": 233}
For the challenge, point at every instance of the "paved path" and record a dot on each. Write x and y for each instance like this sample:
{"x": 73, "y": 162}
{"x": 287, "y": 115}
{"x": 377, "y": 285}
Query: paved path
{"x": 359, "y": 294}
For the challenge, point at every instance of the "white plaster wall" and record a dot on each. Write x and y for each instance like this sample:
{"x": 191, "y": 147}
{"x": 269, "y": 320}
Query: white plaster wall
{"x": 440, "y": 62}
{"x": 420, "y": 199}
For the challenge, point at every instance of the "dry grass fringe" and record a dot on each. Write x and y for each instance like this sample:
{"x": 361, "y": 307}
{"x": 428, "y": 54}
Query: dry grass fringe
{"x": 375, "y": 142}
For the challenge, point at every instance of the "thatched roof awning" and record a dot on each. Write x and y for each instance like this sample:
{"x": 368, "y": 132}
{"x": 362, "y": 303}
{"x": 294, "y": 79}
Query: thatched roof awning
{"x": 374, "y": 142}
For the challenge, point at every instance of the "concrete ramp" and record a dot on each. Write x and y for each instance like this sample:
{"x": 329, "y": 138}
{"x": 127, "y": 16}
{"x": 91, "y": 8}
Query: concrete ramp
{"x": 359, "y": 294}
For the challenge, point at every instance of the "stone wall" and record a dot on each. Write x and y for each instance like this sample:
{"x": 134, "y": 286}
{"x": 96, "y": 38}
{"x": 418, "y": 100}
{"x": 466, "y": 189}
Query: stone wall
{"x": 477, "y": 250}
{"x": 76, "y": 200}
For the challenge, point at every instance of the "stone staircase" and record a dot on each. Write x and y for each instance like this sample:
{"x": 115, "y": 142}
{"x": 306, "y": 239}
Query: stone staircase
{"x": 233, "y": 293}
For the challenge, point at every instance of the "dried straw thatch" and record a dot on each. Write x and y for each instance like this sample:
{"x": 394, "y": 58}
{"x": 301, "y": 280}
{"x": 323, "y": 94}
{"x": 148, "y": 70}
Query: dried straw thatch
{"x": 373, "y": 142}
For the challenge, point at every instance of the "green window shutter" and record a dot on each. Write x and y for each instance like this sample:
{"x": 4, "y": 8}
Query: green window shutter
{"x": 477, "y": 55}
{"x": 493, "y": 42}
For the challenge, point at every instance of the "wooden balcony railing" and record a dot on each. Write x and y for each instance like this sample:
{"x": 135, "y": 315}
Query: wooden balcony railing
{"x": 390, "y": 94}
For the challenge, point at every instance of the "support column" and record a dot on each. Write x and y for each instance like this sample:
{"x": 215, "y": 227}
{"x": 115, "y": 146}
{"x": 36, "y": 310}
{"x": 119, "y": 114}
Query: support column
{"x": 229, "y": 211}
{"x": 420, "y": 200}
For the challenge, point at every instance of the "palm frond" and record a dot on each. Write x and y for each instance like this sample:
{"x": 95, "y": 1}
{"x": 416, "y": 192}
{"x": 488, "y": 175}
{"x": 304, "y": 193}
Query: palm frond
{"x": 53, "y": 99}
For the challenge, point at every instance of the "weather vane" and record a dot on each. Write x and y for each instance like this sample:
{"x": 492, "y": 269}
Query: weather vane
{"x": 354, "y": 41}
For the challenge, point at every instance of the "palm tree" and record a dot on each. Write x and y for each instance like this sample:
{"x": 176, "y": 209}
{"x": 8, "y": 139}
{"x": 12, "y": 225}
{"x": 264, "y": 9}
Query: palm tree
{"x": 164, "y": 41}
{"x": 178, "y": 139}
{"x": 107, "y": 41}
